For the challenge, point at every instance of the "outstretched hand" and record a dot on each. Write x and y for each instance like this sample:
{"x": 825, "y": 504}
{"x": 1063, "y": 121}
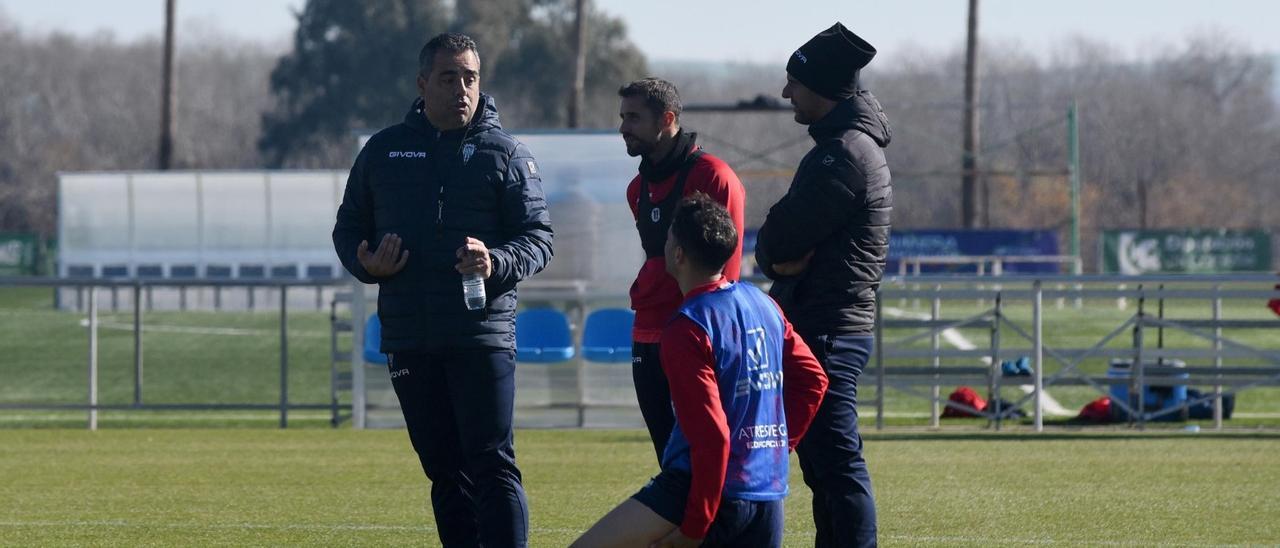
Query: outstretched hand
{"x": 384, "y": 261}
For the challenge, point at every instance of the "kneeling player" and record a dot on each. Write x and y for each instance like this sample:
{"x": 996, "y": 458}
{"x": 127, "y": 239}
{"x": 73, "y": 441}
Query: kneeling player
{"x": 726, "y": 354}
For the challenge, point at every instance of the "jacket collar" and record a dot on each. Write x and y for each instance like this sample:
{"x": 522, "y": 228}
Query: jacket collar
{"x": 862, "y": 112}
{"x": 484, "y": 119}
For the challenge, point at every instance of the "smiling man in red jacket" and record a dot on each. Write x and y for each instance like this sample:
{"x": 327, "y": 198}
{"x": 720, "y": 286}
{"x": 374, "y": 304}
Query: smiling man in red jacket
{"x": 672, "y": 166}
{"x": 744, "y": 388}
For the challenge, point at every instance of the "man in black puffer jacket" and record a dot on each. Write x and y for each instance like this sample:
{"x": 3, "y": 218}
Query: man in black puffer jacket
{"x": 445, "y": 193}
{"x": 824, "y": 245}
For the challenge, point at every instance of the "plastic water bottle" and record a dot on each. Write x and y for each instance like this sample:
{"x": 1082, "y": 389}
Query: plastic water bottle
{"x": 473, "y": 291}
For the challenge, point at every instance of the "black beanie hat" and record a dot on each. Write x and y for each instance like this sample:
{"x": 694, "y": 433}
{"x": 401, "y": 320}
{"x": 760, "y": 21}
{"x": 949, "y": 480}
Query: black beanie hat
{"x": 829, "y": 62}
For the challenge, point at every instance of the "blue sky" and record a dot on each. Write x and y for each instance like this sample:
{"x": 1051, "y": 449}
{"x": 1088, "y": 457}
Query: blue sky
{"x": 754, "y": 31}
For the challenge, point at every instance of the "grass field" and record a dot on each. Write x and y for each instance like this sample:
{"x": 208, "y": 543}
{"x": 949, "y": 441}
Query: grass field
{"x": 319, "y": 487}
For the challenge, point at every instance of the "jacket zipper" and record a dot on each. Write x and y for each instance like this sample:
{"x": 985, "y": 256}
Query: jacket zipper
{"x": 440, "y": 195}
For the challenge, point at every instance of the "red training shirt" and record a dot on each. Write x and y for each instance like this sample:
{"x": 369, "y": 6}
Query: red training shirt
{"x": 655, "y": 296}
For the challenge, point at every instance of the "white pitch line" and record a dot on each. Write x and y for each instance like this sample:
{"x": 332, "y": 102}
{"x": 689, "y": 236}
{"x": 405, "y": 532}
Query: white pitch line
{"x": 259, "y": 526}
{"x": 954, "y": 338}
{"x": 193, "y": 330}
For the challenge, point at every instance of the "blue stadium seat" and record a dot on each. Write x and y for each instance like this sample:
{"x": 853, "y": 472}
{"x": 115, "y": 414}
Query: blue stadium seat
{"x": 319, "y": 272}
{"x": 150, "y": 271}
{"x": 543, "y": 336}
{"x": 252, "y": 271}
{"x": 607, "y": 335}
{"x": 218, "y": 271}
{"x": 284, "y": 271}
{"x": 373, "y": 341}
{"x": 183, "y": 271}
{"x": 115, "y": 271}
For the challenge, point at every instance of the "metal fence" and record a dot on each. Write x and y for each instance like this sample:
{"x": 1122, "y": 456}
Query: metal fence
{"x": 136, "y": 290}
{"x": 1143, "y": 359}
{"x": 896, "y": 364}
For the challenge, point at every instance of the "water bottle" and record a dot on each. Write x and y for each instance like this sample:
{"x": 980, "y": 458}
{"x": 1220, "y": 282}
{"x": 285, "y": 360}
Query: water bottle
{"x": 473, "y": 290}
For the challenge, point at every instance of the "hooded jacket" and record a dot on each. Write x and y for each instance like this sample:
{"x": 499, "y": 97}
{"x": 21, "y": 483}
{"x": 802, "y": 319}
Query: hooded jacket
{"x": 434, "y": 189}
{"x": 838, "y": 207}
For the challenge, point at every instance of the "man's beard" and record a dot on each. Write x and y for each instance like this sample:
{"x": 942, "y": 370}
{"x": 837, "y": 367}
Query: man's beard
{"x": 637, "y": 147}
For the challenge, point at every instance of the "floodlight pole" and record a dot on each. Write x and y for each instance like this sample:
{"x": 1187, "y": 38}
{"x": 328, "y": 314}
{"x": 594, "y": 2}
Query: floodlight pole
{"x": 969, "y": 177}
{"x": 578, "y": 90}
{"x": 166, "y": 92}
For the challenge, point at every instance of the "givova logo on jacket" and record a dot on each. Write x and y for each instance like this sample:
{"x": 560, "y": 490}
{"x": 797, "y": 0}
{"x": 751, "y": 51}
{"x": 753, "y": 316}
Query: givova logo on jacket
{"x": 406, "y": 154}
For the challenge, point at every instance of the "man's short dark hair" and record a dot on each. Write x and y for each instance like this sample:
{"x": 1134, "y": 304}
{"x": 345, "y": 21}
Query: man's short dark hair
{"x": 704, "y": 229}
{"x": 449, "y": 42}
{"x": 659, "y": 95}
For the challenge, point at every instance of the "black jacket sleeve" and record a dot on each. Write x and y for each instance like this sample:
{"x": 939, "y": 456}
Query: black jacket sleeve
{"x": 524, "y": 215}
{"x": 355, "y": 222}
{"x": 818, "y": 203}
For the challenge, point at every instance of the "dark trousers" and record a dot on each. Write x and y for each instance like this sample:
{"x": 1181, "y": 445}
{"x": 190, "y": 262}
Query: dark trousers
{"x": 458, "y": 407}
{"x": 738, "y": 522}
{"x": 653, "y": 394}
{"x": 844, "y": 511}
{"x": 747, "y": 524}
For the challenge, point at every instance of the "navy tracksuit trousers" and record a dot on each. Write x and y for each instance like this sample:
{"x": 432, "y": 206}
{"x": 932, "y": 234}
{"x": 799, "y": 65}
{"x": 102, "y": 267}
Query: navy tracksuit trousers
{"x": 458, "y": 407}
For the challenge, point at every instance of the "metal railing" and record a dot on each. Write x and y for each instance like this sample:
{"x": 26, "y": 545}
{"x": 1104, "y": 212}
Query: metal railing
{"x": 992, "y": 265}
{"x": 1225, "y": 380}
{"x": 139, "y": 287}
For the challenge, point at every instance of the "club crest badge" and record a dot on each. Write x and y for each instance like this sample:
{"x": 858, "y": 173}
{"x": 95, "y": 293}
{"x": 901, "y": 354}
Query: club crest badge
{"x": 467, "y": 150}
{"x": 655, "y": 215}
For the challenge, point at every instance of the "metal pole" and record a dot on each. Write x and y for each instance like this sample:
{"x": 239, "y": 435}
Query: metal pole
{"x": 994, "y": 383}
{"x": 1160, "y": 328}
{"x": 93, "y": 358}
{"x": 333, "y": 363}
{"x": 1037, "y": 324}
{"x": 1135, "y": 371}
{"x": 577, "y": 90}
{"x": 580, "y": 364}
{"x": 137, "y": 344}
{"x": 880, "y": 372}
{"x": 1078, "y": 269}
{"x": 358, "y": 416}
{"x": 1217, "y": 356}
{"x": 284, "y": 357}
{"x": 970, "y": 159}
{"x": 982, "y": 271}
{"x": 935, "y": 344}
{"x": 167, "y": 95}
{"x": 915, "y": 303}
{"x": 1073, "y": 171}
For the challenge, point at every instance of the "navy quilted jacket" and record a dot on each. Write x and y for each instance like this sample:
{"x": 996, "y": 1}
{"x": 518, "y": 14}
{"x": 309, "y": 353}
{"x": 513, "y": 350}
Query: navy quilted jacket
{"x": 434, "y": 189}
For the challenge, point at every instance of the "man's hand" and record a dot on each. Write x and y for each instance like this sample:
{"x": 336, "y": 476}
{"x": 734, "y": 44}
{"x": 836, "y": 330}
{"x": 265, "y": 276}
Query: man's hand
{"x": 793, "y": 268}
{"x": 676, "y": 539}
{"x": 473, "y": 256}
{"x": 383, "y": 262}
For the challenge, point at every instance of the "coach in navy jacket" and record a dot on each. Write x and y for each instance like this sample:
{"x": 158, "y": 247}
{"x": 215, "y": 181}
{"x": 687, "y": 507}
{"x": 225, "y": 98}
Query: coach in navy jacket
{"x": 446, "y": 193}
{"x": 491, "y": 191}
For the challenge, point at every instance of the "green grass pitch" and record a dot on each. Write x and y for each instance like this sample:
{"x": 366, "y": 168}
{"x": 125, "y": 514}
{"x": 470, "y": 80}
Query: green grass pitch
{"x": 319, "y": 487}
